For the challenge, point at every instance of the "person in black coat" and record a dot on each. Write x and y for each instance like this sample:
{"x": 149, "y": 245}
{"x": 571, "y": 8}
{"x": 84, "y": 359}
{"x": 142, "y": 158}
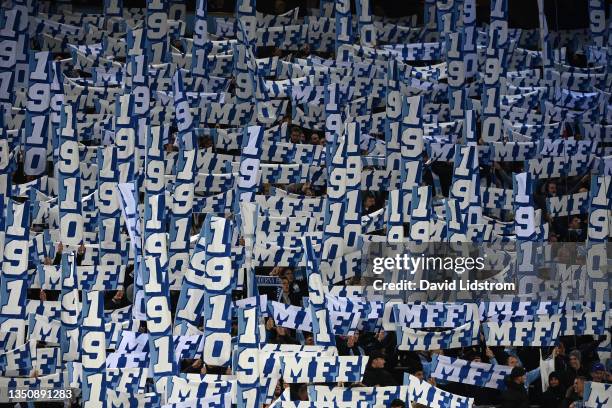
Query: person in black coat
{"x": 383, "y": 341}
{"x": 288, "y": 297}
{"x": 574, "y": 368}
{"x": 349, "y": 346}
{"x": 515, "y": 395}
{"x": 283, "y": 336}
{"x": 375, "y": 374}
{"x": 553, "y": 396}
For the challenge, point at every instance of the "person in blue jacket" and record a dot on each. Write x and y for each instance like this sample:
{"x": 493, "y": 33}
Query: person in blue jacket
{"x": 513, "y": 361}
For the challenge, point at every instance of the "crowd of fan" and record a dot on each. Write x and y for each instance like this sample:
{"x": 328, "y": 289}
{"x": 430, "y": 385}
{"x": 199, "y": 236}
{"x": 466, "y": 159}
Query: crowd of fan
{"x": 575, "y": 360}
{"x": 387, "y": 367}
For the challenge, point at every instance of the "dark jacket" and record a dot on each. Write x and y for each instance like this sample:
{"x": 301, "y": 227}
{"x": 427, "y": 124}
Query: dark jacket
{"x": 570, "y": 374}
{"x": 481, "y": 395}
{"x": 553, "y": 397}
{"x": 345, "y": 350}
{"x": 515, "y": 396}
{"x": 378, "y": 377}
{"x": 369, "y": 342}
{"x": 294, "y": 299}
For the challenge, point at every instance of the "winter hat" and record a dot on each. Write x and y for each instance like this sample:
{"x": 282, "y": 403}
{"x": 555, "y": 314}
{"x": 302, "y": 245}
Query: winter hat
{"x": 576, "y": 353}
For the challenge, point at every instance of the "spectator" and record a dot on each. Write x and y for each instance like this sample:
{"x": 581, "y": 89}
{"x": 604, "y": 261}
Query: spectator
{"x": 302, "y": 394}
{"x": 270, "y": 329}
{"x": 369, "y": 204}
{"x": 587, "y": 345}
{"x": 287, "y": 295}
{"x": 295, "y": 135}
{"x": 561, "y": 359}
{"x": 282, "y": 336}
{"x": 575, "y": 368}
{"x": 598, "y": 373}
{"x": 117, "y": 301}
{"x": 530, "y": 376}
{"x": 490, "y": 355}
{"x": 278, "y": 390}
{"x": 575, "y": 392}
{"x": 551, "y": 189}
{"x": 350, "y": 347}
{"x": 381, "y": 341}
{"x": 575, "y": 232}
{"x": 503, "y": 179}
{"x": 419, "y": 374}
{"x": 192, "y": 366}
{"x": 376, "y": 374}
{"x": 515, "y": 395}
{"x": 298, "y": 287}
{"x": 307, "y": 190}
{"x": 397, "y": 403}
{"x": 314, "y": 139}
{"x": 513, "y": 361}
{"x": 553, "y": 396}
